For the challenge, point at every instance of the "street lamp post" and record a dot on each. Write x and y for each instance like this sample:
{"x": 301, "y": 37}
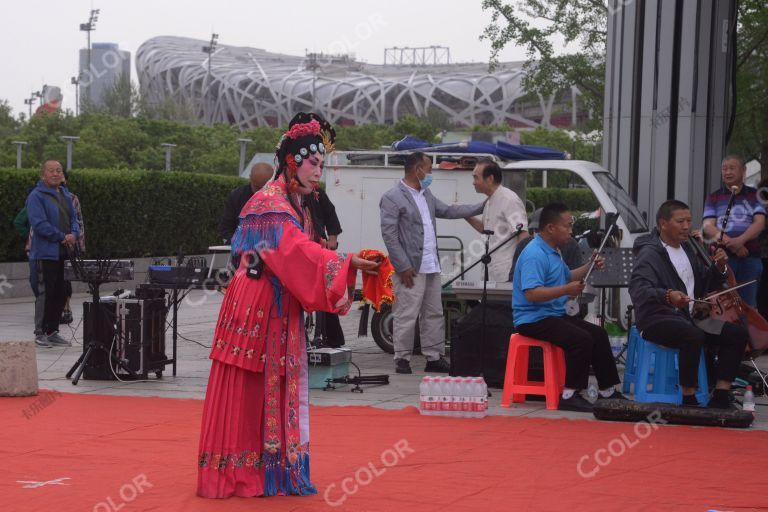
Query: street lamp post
{"x": 19, "y": 145}
{"x": 168, "y": 148}
{"x": 89, "y": 27}
{"x": 33, "y": 97}
{"x": 243, "y": 144}
{"x": 75, "y": 80}
{"x": 70, "y": 140}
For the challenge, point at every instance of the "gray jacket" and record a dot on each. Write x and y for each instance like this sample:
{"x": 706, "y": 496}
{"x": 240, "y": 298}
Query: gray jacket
{"x": 401, "y": 226}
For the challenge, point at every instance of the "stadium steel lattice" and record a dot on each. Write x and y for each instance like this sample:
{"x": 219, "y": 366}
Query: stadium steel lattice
{"x": 251, "y": 87}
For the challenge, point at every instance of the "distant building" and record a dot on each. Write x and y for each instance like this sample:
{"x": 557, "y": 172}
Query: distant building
{"x": 108, "y": 64}
{"x": 249, "y": 87}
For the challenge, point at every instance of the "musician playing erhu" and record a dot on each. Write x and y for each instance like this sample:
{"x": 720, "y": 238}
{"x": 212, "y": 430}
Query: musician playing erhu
{"x": 541, "y": 286}
{"x": 666, "y": 277}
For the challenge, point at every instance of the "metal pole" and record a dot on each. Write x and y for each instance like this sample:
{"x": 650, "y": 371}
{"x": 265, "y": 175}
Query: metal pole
{"x": 168, "y": 147}
{"x": 19, "y": 145}
{"x": 243, "y": 144}
{"x": 70, "y": 140}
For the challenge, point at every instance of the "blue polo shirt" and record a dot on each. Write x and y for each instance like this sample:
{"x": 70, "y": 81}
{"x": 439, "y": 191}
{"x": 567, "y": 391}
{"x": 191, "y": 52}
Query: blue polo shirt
{"x": 538, "y": 265}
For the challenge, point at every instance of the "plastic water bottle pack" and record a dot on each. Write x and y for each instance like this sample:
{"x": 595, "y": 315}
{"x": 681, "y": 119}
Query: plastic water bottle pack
{"x": 461, "y": 397}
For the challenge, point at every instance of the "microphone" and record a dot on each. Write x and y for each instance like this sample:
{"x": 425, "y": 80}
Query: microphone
{"x": 488, "y": 232}
{"x": 519, "y": 227}
{"x": 734, "y": 190}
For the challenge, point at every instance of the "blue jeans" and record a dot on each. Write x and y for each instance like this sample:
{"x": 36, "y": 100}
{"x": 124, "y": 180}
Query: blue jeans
{"x": 747, "y": 269}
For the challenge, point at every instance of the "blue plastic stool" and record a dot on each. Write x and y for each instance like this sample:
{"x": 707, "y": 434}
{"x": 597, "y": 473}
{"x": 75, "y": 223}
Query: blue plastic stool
{"x": 659, "y": 366}
{"x": 630, "y": 368}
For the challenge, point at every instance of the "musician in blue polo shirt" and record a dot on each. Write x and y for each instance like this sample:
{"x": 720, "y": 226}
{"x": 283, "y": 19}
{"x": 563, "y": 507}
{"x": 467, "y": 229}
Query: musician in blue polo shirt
{"x": 541, "y": 286}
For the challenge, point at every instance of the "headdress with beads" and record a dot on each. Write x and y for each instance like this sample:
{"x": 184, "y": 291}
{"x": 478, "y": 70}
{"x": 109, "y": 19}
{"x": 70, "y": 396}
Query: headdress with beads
{"x": 307, "y": 134}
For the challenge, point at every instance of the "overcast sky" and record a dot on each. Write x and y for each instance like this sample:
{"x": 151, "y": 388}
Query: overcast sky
{"x": 40, "y": 39}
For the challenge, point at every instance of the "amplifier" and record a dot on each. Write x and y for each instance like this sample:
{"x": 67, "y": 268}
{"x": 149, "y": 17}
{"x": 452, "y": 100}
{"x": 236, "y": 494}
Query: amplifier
{"x": 167, "y": 274}
{"x": 329, "y": 356}
{"x": 135, "y": 332}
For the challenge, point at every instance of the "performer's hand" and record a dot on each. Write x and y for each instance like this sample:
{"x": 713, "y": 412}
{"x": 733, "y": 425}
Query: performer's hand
{"x": 69, "y": 240}
{"x": 696, "y": 233}
{"x": 734, "y": 244}
{"x": 574, "y": 288}
{"x": 367, "y": 266}
{"x": 599, "y": 260}
{"x": 679, "y": 299}
{"x": 742, "y": 252}
{"x": 332, "y": 243}
{"x": 406, "y": 277}
{"x": 721, "y": 258}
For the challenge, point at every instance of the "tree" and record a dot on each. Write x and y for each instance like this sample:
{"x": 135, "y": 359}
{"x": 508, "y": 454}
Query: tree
{"x": 121, "y": 99}
{"x": 573, "y": 22}
{"x": 750, "y": 134}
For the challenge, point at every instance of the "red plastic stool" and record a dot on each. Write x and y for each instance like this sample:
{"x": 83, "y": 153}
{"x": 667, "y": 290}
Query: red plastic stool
{"x": 516, "y": 383}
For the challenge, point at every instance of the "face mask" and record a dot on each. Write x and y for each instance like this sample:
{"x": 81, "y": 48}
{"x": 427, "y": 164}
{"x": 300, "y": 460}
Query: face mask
{"x": 426, "y": 181}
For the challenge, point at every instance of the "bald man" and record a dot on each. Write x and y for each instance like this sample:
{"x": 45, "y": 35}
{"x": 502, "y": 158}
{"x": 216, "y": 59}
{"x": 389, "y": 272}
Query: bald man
{"x": 261, "y": 173}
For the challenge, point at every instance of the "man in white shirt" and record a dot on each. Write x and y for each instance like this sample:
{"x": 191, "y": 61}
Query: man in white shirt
{"x": 502, "y": 213}
{"x": 408, "y": 211}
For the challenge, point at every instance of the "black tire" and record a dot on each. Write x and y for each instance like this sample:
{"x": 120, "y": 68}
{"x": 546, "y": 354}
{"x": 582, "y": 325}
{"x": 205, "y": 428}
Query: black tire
{"x": 381, "y": 330}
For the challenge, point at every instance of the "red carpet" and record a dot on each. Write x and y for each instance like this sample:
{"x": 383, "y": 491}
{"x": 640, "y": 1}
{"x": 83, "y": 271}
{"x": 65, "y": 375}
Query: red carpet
{"x": 106, "y": 453}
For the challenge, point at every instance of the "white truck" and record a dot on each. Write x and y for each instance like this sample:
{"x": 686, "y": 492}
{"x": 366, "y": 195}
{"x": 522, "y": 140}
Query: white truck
{"x": 355, "y": 182}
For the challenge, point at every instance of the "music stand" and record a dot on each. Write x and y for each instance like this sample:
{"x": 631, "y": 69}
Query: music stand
{"x": 617, "y": 271}
{"x": 96, "y": 273}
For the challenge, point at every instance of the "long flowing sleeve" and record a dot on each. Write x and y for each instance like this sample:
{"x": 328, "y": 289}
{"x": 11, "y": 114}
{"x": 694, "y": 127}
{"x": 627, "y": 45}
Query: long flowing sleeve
{"x": 318, "y": 278}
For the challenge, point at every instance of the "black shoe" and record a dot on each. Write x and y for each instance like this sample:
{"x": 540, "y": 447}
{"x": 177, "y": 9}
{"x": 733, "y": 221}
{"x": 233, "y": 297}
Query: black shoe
{"x": 402, "y": 366}
{"x": 438, "y": 366}
{"x": 721, "y": 399}
{"x": 616, "y": 395}
{"x": 66, "y": 317}
{"x": 691, "y": 401}
{"x": 576, "y": 403}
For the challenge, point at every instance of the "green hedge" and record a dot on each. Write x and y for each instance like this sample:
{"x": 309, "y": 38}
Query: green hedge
{"x": 577, "y": 199}
{"x": 128, "y": 213}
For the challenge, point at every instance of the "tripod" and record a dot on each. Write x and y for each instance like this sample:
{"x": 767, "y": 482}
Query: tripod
{"x": 95, "y": 278}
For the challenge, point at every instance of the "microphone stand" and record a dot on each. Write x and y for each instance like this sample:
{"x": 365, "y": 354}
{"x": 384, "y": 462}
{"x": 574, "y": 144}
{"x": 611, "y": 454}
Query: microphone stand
{"x": 485, "y": 260}
{"x": 518, "y": 230}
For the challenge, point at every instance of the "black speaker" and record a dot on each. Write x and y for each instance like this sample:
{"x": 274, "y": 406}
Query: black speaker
{"x": 97, "y": 367}
{"x": 466, "y": 342}
{"x": 466, "y": 345}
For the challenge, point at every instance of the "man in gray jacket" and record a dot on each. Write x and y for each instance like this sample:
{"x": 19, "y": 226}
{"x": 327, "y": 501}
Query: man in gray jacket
{"x": 408, "y": 212}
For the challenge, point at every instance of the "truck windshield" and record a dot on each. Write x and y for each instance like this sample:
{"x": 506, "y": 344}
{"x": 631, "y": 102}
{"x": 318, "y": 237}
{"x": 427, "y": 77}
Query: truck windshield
{"x": 627, "y": 209}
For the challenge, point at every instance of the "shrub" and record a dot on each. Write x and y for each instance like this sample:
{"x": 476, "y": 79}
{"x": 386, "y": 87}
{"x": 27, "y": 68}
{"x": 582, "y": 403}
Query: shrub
{"x": 128, "y": 213}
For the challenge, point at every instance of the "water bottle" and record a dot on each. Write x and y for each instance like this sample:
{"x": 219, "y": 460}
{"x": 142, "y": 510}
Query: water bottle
{"x": 456, "y": 396}
{"x": 483, "y": 397}
{"x": 445, "y": 396}
{"x": 592, "y": 392}
{"x": 424, "y": 404}
{"x": 467, "y": 399}
{"x": 749, "y": 400}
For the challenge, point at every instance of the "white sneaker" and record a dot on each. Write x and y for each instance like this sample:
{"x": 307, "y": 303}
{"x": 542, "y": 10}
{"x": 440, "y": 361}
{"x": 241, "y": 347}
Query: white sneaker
{"x": 57, "y": 340}
{"x": 41, "y": 340}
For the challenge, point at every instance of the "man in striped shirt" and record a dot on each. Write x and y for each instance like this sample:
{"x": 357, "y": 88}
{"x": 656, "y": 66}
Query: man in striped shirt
{"x": 744, "y": 225}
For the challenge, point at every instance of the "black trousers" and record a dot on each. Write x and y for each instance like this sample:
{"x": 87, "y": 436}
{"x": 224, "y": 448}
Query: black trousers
{"x": 689, "y": 339}
{"x": 328, "y": 328}
{"x": 51, "y": 283}
{"x": 585, "y": 344}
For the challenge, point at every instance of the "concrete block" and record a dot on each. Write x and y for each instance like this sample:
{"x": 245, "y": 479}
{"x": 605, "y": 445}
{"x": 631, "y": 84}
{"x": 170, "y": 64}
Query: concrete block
{"x": 18, "y": 368}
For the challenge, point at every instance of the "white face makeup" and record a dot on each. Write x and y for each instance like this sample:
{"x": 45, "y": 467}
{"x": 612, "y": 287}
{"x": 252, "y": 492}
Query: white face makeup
{"x": 309, "y": 172}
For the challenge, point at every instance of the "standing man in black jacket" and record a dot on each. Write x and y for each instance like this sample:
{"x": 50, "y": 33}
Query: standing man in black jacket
{"x": 261, "y": 173}
{"x": 666, "y": 278}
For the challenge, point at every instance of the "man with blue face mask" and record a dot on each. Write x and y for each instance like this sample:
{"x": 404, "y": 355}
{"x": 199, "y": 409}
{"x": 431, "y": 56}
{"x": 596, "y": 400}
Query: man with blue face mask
{"x": 408, "y": 211}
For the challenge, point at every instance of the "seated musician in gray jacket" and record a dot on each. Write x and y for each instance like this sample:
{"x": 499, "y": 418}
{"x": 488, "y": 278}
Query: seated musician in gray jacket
{"x": 408, "y": 212}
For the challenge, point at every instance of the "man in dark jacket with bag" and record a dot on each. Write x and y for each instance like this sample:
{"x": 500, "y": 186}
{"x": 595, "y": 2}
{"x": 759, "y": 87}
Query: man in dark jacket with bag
{"x": 55, "y": 230}
{"x": 666, "y": 278}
